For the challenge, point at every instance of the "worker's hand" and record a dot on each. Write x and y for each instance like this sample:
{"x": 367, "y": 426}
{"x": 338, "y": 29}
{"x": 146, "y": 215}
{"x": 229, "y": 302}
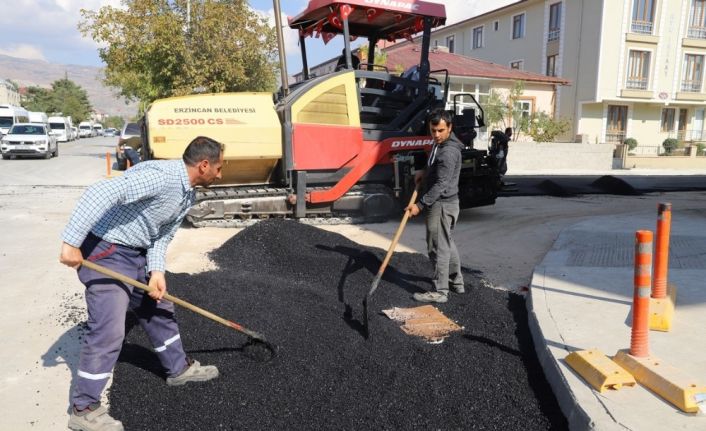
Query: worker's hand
{"x": 413, "y": 210}
{"x": 70, "y": 256}
{"x": 158, "y": 284}
{"x": 418, "y": 177}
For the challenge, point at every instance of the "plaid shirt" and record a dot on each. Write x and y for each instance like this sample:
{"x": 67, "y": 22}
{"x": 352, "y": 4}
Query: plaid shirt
{"x": 141, "y": 209}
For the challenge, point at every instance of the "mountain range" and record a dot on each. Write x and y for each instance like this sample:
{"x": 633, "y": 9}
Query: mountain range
{"x": 42, "y": 73}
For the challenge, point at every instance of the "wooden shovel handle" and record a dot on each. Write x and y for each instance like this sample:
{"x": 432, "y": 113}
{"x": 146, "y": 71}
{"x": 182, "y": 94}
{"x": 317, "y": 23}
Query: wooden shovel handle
{"x": 125, "y": 279}
{"x": 396, "y": 238}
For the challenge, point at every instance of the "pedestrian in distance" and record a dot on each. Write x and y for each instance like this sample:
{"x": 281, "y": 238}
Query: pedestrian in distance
{"x": 126, "y": 224}
{"x": 439, "y": 181}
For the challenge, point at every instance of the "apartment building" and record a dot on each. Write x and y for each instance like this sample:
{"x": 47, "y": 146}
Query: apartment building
{"x": 636, "y": 67}
{"x": 8, "y": 94}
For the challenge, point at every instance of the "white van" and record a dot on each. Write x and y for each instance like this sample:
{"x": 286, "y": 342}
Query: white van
{"x": 98, "y": 128}
{"x": 10, "y": 115}
{"x": 60, "y": 128}
{"x": 85, "y": 129}
{"x": 37, "y": 117}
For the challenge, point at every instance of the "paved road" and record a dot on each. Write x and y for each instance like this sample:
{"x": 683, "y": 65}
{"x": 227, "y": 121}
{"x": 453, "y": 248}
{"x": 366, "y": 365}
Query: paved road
{"x": 41, "y": 302}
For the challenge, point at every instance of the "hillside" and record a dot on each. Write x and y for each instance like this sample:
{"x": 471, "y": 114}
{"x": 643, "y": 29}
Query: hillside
{"x": 41, "y": 73}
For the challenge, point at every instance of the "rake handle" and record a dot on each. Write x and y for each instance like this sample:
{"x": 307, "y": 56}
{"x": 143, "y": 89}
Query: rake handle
{"x": 125, "y": 279}
{"x": 397, "y": 236}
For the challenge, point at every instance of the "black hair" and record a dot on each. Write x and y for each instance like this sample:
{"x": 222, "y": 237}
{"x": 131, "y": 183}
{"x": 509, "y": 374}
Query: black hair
{"x": 202, "y": 148}
{"x": 438, "y": 114}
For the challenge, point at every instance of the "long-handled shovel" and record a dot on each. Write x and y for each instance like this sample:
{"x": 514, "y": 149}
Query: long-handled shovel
{"x": 255, "y": 338}
{"x": 378, "y": 276}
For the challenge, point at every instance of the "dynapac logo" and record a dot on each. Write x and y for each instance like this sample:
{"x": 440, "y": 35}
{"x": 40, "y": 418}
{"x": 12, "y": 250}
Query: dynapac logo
{"x": 412, "y": 143}
{"x": 393, "y": 3}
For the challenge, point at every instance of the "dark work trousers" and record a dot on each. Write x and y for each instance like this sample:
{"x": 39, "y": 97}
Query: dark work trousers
{"x": 441, "y": 218}
{"x": 108, "y": 301}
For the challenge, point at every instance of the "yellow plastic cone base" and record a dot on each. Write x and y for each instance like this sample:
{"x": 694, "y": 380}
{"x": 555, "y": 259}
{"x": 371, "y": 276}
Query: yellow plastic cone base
{"x": 599, "y": 370}
{"x": 664, "y": 380}
{"x": 662, "y": 310}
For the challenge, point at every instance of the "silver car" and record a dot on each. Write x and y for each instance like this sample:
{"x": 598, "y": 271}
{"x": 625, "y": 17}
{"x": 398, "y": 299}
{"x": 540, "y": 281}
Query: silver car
{"x": 25, "y": 139}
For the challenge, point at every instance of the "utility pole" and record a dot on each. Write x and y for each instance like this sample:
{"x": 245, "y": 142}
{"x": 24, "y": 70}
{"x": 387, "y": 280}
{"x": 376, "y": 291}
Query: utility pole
{"x": 280, "y": 46}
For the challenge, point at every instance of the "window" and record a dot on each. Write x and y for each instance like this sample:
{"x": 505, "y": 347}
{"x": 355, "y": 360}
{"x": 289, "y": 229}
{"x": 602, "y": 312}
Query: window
{"x": 643, "y": 16}
{"x": 477, "y": 37}
{"x": 450, "y": 43}
{"x": 551, "y": 65}
{"x": 516, "y": 64}
{"x": 523, "y": 109}
{"x": 638, "y": 70}
{"x": 617, "y": 123}
{"x": 667, "y": 119}
{"x": 693, "y": 73}
{"x": 554, "y": 21}
{"x": 697, "y": 19}
{"x": 518, "y": 26}
{"x": 496, "y": 25}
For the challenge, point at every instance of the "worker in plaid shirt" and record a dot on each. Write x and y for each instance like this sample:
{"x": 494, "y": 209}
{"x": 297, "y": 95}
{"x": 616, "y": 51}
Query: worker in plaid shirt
{"x": 125, "y": 224}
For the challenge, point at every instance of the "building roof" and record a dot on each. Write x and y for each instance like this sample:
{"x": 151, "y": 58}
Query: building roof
{"x": 407, "y": 55}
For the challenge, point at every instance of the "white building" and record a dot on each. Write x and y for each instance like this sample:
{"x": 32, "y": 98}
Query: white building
{"x": 636, "y": 66}
{"x": 8, "y": 94}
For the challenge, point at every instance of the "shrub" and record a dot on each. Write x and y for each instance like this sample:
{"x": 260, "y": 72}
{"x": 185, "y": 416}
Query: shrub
{"x": 700, "y": 149}
{"x": 670, "y": 144}
{"x": 544, "y": 128}
{"x": 631, "y": 143}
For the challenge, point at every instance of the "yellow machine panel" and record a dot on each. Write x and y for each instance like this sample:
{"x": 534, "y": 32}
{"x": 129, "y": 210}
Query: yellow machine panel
{"x": 246, "y": 123}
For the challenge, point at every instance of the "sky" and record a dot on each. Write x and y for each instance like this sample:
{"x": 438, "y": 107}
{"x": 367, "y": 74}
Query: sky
{"x": 47, "y": 29}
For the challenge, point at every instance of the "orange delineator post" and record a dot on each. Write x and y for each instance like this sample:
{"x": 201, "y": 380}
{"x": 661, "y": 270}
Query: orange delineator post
{"x": 641, "y": 296}
{"x": 107, "y": 164}
{"x": 661, "y": 258}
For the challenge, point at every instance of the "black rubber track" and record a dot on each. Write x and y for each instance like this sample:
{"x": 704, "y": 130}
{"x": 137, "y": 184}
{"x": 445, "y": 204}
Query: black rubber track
{"x": 302, "y": 288}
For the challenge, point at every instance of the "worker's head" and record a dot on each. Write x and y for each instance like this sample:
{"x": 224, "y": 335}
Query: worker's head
{"x": 440, "y": 124}
{"x": 204, "y": 159}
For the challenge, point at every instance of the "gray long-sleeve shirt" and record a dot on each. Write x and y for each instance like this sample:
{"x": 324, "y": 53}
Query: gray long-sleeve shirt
{"x": 442, "y": 173}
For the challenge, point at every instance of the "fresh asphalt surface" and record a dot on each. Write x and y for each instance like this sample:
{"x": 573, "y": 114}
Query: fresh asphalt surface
{"x": 573, "y": 185}
{"x": 302, "y": 288}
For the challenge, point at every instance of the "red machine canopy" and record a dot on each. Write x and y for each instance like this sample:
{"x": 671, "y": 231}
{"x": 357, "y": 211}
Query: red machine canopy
{"x": 383, "y": 19}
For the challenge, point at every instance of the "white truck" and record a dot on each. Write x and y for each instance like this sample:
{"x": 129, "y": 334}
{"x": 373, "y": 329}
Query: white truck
{"x": 10, "y": 115}
{"x": 37, "y": 117}
{"x": 85, "y": 129}
{"x": 60, "y": 128}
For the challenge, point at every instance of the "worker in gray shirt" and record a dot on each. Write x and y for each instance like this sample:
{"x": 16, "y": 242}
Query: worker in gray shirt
{"x": 440, "y": 200}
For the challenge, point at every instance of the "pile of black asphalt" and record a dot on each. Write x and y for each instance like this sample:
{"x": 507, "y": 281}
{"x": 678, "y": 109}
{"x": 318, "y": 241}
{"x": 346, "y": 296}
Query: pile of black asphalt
{"x": 302, "y": 288}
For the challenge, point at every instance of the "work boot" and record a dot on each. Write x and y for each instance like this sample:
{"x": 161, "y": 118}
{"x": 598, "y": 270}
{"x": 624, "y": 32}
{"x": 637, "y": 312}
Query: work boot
{"x": 195, "y": 372}
{"x": 94, "y": 418}
{"x": 458, "y": 288}
{"x": 431, "y": 297}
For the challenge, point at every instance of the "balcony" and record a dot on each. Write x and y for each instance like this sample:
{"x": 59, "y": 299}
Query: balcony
{"x": 636, "y": 83}
{"x": 697, "y": 33}
{"x": 688, "y": 86}
{"x": 642, "y": 27}
{"x": 554, "y": 35}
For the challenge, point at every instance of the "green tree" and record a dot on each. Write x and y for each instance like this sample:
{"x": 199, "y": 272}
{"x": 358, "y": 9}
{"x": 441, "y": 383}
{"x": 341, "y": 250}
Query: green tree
{"x": 38, "y": 99}
{"x": 114, "y": 121}
{"x": 495, "y": 108}
{"x": 379, "y": 60}
{"x": 545, "y": 128}
{"x": 514, "y": 110}
{"x": 64, "y": 96}
{"x": 151, "y": 50}
{"x": 70, "y": 99}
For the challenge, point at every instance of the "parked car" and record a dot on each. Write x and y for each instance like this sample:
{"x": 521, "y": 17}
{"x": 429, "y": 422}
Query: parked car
{"x": 110, "y": 132}
{"x": 27, "y": 139}
{"x": 61, "y": 128}
{"x": 129, "y": 145}
{"x": 98, "y": 129}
